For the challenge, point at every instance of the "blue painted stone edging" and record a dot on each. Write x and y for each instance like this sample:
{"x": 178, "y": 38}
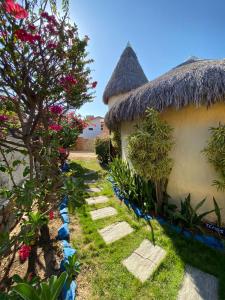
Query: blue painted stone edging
{"x": 68, "y": 293}
{"x": 210, "y": 241}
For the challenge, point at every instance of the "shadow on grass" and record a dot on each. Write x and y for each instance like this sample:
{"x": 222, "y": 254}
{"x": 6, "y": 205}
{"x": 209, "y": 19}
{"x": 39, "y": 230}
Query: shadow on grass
{"x": 196, "y": 254}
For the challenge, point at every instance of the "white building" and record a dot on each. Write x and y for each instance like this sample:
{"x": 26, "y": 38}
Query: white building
{"x": 95, "y": 128}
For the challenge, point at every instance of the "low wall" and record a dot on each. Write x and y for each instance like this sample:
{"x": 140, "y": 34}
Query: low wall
{"x": 83, "y": 144}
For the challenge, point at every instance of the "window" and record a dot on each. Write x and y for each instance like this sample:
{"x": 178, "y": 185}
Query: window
{"x": 90, "y": 128}
{"x": 102, "y": 125}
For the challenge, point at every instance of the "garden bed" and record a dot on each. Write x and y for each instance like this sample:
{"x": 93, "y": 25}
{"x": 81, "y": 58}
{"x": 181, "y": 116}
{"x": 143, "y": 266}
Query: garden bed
{"x": 47, "y": 262}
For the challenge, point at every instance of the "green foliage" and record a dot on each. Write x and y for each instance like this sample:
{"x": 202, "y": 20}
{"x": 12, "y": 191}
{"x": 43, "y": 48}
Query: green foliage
{"x": 149, "y": 147}
{"x": 215, "y": 152}
{"x": 148, "y": 150}
{"x": 102, "y": 149}
{"x": 45, "y": 291}
{"x": 132, "y": 185}
{"x": 217, "y": 212}
{"x": 72, "y": 268}
{"x": 189, "y": 216}
{"x": 116, "y": 143}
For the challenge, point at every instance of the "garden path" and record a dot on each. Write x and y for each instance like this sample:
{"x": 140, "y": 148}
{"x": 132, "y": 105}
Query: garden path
{"x": 196, "y": 284}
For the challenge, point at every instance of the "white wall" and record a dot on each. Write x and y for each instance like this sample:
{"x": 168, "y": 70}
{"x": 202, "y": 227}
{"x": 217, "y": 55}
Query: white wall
{"x": 96, "y": 126}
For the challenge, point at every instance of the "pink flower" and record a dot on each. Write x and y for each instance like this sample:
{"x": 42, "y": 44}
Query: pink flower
{"x": 51, "y": 215}
{"x": 24, "y": 252}
{"x": 68, "y": 79}
{"x": 3, "y": 118}
{"x": 51, "y": 45}
{"x": 56, "y": 109}
{"x": 55, "y": 127}
{"x": 62, "y": 150}
{"x": 94, "y": 84}
{"x": 31, "y": 27}
{"x": 15, "y": 9}
{"x": 24, "y": 36}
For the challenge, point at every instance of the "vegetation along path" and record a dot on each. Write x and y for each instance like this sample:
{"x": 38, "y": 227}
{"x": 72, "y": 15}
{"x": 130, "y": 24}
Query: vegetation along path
{"x": 118, "y": 259}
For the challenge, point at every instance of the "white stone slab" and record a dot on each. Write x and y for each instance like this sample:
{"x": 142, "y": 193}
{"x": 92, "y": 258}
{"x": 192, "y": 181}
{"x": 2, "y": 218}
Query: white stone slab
{"x": 144, "y": 260}
{"x": 103, "y": 213}
{"x": 97, "y": 200}
{"x": 90, "y": 173}
{"x": 93, "y": 190}
{"x": 90, "y": 181}
{"x": 198, "y": 285}
{"x": 115, "y": 232}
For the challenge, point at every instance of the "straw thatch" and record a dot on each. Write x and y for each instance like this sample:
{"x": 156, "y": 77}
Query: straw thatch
{"x": 127, "y": 75}
{"x": 198, "y": 82}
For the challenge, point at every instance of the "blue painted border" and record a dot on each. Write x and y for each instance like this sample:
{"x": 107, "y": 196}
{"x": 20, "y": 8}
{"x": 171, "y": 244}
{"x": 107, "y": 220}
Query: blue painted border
{"x": 68, "y": 293}
{"x": 210, "y": 241}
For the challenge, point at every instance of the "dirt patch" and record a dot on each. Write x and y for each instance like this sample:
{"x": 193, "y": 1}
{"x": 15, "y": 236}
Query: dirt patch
{"x": 82, "y": 155}
{"x": 48, "y": 257}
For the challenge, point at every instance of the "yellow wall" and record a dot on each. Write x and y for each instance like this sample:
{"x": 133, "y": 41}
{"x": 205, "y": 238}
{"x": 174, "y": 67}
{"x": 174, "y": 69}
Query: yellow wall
{"x": 191, "y": 172}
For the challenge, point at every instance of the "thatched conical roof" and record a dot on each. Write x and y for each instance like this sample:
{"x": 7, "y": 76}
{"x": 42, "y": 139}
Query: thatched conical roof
{"x": 127, "y": 75}
{"x": 198, "y": 82}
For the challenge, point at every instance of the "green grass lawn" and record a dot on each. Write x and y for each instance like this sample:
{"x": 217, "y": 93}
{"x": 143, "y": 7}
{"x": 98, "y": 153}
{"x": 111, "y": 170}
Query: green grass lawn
{"x": 107, "y": 277}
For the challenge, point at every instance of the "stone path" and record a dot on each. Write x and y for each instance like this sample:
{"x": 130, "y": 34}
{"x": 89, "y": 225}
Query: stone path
{"x": 115, "y": 232}
{"x": 90, "y": 173}
{"x": 93, "y": 190}
{"x": 198, "y": 285}
{"x": 144, "y": 260}
{"x": 103, "y": 213}
{"x": 90, "y": 181}
{"x": 96, "y": 200}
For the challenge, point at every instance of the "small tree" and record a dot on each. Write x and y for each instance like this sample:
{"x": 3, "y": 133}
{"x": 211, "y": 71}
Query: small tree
{"x": 148, "y": 150}
{"x": 215, "y": 152}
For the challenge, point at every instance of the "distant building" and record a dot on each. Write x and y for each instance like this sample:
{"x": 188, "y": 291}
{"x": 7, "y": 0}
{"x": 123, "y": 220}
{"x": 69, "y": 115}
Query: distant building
{"x": 96, "y": 128}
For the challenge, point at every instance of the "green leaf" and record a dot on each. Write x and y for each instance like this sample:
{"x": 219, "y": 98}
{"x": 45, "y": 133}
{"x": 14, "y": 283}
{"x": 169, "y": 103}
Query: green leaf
{"x": 217, "y": 212}
{"x": 16, "y": 162}
{"x": 58, "y": 285}
{"x": 26, "y": 291}
{"x": 26, "y": 171}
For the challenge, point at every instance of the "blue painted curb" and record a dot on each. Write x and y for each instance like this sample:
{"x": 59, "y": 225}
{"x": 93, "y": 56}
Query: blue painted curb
{"x": 69, "y": 293}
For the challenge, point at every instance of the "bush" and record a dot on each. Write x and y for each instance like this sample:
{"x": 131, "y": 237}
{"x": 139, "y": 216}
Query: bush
{"x": 102, "y": 149}
{"x": 215, "y": 153}
{"x": 148, "y": 150}
{"x": 132, "y": 186}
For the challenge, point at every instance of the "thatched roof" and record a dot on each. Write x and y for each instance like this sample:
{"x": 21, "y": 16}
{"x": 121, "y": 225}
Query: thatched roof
{"x": 127, "y": 75}
{"x": 199, "y": 82}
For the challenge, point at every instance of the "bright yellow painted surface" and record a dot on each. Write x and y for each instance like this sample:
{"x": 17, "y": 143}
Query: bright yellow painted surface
{"x": 191, "y": 172}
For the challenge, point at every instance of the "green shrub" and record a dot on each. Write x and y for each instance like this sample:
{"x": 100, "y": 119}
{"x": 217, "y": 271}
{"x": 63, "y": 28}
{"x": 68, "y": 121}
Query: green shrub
{"x": 102, "y": 149}
{"x": 132, "y": 186}
{"x": 189, "y": 216}
{"x": 148, "y": 150}
{"x": 115, "y": 137}
{"x": 215, "y": 152}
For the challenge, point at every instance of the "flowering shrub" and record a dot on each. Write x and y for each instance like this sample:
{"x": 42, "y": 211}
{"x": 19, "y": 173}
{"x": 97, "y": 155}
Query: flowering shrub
{"x": 43, "y": 74}
{"x": 24, "y": 252}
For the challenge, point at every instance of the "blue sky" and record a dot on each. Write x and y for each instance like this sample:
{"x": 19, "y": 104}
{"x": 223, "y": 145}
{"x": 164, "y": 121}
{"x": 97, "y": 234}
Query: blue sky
{"x": 163, "y": 34}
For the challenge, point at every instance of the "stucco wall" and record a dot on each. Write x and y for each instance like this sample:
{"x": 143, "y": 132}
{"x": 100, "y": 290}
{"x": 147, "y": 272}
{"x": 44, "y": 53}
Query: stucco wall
{"x": 95, "y": 126}
{"x": 191, "y": 172}
{"x": 115, "y": 99}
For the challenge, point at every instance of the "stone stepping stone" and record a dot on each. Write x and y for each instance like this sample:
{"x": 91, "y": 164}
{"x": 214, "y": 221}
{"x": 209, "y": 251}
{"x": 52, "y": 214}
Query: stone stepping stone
{"x": 90, "y": 173}
{"x": 103, "y": 213}
{"x": 115, "y": 232}
{"x": 198, "y": 285}
{"x": 90, "y": 181}
{"x": 144, "y": 260}
{"x": 96, "y": 200}
{"x": 93, "y": 190}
